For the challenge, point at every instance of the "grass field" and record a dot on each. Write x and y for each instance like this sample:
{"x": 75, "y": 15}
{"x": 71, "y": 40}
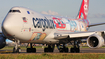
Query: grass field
{"x": 50, "y": 55}
{"x": 53, "y": 56}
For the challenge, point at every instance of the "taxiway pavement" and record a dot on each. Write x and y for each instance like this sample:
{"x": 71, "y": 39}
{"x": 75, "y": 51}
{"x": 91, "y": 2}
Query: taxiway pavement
{"x": 41, "y": 50}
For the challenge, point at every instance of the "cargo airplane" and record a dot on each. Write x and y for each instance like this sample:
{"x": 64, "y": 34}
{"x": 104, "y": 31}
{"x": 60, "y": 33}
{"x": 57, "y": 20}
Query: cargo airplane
{"x": 23, "y": 25}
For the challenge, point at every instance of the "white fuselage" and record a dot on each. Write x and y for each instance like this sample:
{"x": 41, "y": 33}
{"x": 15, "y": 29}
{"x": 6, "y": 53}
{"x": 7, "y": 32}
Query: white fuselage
{"x": 32, "y": 27}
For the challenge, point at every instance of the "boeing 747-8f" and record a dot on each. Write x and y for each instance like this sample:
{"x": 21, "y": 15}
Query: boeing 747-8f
{"x": 23, "y": 25}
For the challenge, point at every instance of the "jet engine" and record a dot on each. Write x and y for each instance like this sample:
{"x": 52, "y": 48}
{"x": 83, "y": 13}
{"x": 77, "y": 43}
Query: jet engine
{"x": 95, "y": 41}
{"x": 2, "y": 41}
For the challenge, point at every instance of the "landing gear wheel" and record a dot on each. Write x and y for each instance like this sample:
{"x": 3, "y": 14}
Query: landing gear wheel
{"x": 61, "y": 50}
{"x": 14, "y": 51}
{"x": 45, "y": 49}
{"x": 77, "y": 50}
{"x": 28, "y": 50}
{"x": 31, "y": 50}
{"x": 76, "y": 46}
{"x": 72, "y": 50}
{"x": 34, "y": 50}
{"x": 48, "y": 49}
{"x": 18, "y": 50}
{"x": 51, "y": 50}
{"x": 66, "y": 50}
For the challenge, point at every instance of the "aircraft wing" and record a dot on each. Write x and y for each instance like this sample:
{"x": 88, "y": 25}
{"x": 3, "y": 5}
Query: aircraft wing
{"x": 77, "y": 35}
{"x": 90, "y": 25}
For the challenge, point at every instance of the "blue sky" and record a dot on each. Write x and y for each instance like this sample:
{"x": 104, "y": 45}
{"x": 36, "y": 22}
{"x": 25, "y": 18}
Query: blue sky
{"x": 7, "y": 40}
{"x": 62, "y": 7}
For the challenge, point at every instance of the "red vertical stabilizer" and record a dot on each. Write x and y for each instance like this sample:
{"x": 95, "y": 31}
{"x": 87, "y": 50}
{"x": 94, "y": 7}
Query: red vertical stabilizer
{"x": 83, "y": 10}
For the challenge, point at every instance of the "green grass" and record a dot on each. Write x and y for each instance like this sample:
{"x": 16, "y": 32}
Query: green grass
{"x": 52, "y": 56}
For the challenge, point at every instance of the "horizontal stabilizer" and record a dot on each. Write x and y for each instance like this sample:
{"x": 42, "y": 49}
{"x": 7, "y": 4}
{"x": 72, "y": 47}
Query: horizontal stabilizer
{"x": 96, "y": 24}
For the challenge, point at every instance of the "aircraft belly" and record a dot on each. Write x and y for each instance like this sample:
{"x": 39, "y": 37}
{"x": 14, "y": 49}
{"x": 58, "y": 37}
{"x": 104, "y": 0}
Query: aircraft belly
{"x": 41, "y": 42}
{"x": 22, "y": 41}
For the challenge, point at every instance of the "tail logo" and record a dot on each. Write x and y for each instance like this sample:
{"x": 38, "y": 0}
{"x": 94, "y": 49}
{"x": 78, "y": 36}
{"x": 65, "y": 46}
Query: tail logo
{"x": 85, "y": 0}
{"x": 85, "y": 7}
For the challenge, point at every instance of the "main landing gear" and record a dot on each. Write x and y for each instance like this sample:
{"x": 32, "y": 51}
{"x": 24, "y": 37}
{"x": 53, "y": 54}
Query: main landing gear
{"x": 62, "y": 48}
{"x": 17, "y": 49}
{"x": 50, "y": 48}
{"x": 31, "y": 49}
{"x": 76, "y": 48}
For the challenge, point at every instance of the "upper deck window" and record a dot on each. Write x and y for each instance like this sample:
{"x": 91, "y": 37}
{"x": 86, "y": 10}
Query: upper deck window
{"x": 15, "y": 11}
{"x": 28, "y": 12}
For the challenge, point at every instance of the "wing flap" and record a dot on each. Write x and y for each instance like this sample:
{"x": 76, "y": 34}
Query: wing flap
{"x": 77, "y": 35}
{"x": 61, "y": 37}
{"x": 74, "y": 35}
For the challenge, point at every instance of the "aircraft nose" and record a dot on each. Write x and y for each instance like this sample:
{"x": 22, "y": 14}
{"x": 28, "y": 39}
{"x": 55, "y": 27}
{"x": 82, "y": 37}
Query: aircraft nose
{"x": 11, "y": 25}
{"x": 6, "y": 26}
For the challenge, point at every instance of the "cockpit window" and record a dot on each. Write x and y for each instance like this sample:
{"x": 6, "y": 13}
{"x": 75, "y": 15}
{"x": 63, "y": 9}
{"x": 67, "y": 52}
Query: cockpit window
{"x": 15, "y": 11}
{"x": 10, "y": 11}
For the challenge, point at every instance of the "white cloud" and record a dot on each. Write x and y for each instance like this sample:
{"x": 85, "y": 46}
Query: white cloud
{"x": 50, "y": 12}
{"x": 99, "y": 15}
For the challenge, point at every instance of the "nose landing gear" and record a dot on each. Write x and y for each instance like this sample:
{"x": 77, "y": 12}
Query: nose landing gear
{"x": 17, "y": 49}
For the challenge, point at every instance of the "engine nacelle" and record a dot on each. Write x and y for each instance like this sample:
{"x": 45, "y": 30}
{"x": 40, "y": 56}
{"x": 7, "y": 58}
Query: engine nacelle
{"x": 95, "y": 41}
{"x": 2, "y": 41}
